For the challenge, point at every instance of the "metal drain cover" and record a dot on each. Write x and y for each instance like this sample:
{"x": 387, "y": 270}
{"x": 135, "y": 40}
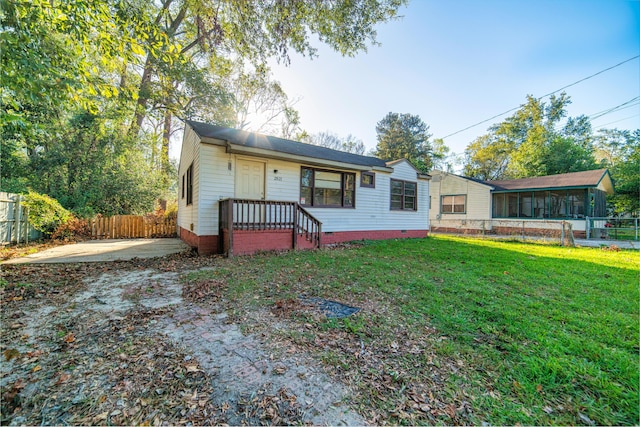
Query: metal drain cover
{"x": 331, "y": 309}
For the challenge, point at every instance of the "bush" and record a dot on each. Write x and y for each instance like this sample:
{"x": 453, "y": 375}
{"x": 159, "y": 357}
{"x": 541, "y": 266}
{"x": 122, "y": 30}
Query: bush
{"x": 45, "y": 213}
{"x": 75, "y": 229}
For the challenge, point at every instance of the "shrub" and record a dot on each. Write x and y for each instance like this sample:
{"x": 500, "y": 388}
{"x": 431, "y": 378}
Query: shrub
{"x": 74, "y": 229}
{"x": 45, "y": 213}
{"x": 171, "y": 211}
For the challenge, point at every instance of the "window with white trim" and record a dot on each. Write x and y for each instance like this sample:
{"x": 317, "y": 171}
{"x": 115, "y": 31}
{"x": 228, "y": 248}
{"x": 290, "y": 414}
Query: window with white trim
{"x": 453, "y": 204}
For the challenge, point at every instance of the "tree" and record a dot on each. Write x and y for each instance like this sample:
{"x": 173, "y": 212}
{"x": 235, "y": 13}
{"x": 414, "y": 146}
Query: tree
{"x": 404, "y": 136}
{"x": 442, "y": 160}
{"x": 53, "y": 52}
{"x": 262, "y": 105}
{"x": 487, "y": 158}
{"x": 564, "y": 155}
{"x": 620, "y": 152}
{"x": 92, "y": 90}
{"x": 529, "y": 143}
{"x": 349, "y": 144}
{"x": 206, "y": 31}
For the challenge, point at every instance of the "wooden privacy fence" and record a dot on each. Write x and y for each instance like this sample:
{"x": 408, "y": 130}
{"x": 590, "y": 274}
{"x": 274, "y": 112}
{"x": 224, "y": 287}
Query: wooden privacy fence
{"x": 131, "y": 227}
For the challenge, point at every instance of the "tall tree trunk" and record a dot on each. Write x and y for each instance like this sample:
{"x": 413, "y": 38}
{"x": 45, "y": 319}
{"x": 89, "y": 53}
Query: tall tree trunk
{"x": 166, "y": 137}
{"x": 143, "y": 98}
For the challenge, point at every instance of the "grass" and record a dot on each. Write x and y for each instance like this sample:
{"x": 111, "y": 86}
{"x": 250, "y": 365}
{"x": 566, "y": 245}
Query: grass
{"x": 501, "y": 332}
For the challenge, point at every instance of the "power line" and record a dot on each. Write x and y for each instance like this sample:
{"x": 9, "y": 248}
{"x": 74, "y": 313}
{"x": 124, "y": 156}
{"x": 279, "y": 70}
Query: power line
{"x": 632, "y": 101}
{"x": 616, "y": 121}
{"x": 544, "y": 96}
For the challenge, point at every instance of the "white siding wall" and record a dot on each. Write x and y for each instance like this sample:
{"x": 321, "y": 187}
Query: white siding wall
{"x": 217, "y": 184}
{"x": 188, "y": 215}
{"x": 478, "y": 204}
{"x": 372, "y": 210}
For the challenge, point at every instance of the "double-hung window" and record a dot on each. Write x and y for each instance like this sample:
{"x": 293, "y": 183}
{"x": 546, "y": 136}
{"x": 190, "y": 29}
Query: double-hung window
{"x": 454, "y": 204}
{"x": 325, "y": 188}
{"x": 404, "y": 195}
{"x": 190, "y": 184}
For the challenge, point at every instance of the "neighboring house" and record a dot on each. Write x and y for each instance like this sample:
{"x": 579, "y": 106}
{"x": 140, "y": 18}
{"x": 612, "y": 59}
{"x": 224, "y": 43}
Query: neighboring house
{"x": 242, "y": 192}
{"x": 537, "y": 203}
{"x": 457, "y": 197}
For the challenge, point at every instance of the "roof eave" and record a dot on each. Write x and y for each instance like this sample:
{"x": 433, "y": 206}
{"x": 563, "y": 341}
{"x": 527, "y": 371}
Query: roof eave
{"x": 564, "y": 187}
{"x": 270, "y": 154}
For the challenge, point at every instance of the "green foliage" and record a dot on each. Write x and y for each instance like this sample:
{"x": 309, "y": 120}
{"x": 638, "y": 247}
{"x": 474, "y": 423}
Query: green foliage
{"x": 563, "y": 155}
{"x": 528, "y": 144}
{"x": 92, "y": 91}
{"x": 45, "y": 213}
{"x": 404, "y": 136}
{"x": 620, "y": 152}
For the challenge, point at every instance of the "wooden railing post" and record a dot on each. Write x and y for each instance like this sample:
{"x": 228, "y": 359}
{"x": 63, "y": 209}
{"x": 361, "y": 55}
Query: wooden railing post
{"x": 230, "y": 203}
{"x": 295, "y": 226}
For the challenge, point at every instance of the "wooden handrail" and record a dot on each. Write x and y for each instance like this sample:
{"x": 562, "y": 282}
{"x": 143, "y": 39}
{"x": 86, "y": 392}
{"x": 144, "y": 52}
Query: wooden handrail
{"x": 249, "y": 214}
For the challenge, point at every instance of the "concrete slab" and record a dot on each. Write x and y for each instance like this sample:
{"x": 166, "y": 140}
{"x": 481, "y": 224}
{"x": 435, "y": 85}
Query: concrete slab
{"x": 622, "y": 244}
{"x": 105, "y": 250}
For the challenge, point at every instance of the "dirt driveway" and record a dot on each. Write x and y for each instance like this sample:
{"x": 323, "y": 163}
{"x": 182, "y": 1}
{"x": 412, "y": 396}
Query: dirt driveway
{"x": 146, "y": 342}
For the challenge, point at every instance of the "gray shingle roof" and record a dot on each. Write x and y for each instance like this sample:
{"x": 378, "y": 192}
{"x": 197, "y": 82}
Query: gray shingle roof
{"x": 574, "y": 179}
{"x": 280, "y": 145}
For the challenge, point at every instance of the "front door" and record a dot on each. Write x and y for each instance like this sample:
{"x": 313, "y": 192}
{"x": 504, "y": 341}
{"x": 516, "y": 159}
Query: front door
{"x": 250, "y": 180}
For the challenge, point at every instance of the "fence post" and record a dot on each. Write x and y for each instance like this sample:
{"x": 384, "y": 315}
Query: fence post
{"x": 295, "y": 226}
{"x": 16, "y": 218}
{"x": 587, "y": 227}
{"x": 28, "y": 231}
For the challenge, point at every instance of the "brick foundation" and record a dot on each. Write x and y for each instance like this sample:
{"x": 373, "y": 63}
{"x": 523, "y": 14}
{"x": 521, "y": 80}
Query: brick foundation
{"x": 206, "y": 245}
{"x": 348, "y": 236}
{"x": 247, "y": 242}
{"x": 508, "y": 231}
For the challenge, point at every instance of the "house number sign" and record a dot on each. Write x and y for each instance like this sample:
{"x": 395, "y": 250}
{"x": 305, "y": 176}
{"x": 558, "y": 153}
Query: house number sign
{"x": 277, "y": 178}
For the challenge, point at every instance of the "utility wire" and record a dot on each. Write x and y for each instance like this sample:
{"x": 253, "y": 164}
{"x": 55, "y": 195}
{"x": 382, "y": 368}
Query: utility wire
{"x": 633, "y": 101}
{"x": 616, "y": 121}
{"x": 544, "y": 96}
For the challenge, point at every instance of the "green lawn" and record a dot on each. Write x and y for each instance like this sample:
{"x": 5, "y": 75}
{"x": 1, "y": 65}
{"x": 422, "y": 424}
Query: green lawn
{"x": 458, "y": 330}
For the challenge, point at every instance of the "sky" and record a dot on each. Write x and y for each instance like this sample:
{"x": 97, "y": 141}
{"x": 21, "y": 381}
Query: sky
{"x": 457, "y": 63}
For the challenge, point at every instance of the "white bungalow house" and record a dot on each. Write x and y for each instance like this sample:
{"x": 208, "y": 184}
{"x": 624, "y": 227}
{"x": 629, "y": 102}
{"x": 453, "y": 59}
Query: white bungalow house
{"x": 242, "y": 192}
{"x": 535, "y": 205}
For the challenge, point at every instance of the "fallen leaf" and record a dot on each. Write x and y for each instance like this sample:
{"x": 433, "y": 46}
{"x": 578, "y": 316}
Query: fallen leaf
{"x": 69, "y": 338}
{"x": 539, "y": 388}
{"x": 193, "y": 368}
{"x": 11, "y": 353}
{"x": 64, "y": 377}
{"x": 36, "y": 368}
{"x": 102, "y": 416}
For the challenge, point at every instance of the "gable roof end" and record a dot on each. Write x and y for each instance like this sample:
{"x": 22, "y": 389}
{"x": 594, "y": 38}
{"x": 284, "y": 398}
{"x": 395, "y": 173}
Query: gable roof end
{"x": 419, "y": 173}
{"x": 474, "y": 180}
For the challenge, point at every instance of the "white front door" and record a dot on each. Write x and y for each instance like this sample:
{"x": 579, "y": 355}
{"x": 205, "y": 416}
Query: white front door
{"x": 250, "y": 180}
